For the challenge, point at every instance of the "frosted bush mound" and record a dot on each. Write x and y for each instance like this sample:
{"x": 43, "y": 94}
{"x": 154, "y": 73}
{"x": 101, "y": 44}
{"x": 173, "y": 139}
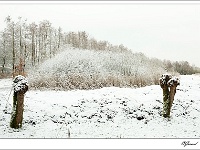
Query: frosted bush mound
{"x": 90, "y": 69}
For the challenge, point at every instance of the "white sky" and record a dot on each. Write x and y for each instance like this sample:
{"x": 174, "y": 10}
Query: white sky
{"x": 165, "y": 30}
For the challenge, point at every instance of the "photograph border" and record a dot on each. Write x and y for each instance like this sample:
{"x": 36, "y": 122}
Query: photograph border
{"x": 99, "y": 143}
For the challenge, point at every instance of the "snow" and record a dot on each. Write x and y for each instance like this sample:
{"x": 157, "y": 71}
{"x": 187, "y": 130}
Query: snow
{"x": 173, "y": 81}
{"x": 165, "y": 78}
{"x": 20, "y": 83}
{"x": 104, "y": 113}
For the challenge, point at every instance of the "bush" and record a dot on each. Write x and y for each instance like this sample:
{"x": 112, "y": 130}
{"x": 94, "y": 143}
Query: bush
{"x": 87, "y": 69}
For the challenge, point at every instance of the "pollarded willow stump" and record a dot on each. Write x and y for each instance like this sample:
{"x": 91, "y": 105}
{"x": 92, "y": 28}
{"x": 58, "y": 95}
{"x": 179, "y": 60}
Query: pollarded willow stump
{"x": 172, "y": 84}
{"x": 20, "y": 88}
{"x": 168, "y": 84}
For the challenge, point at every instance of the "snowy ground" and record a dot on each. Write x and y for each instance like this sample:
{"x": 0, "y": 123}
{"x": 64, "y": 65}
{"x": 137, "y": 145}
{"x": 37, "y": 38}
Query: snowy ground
{"x": 104, "y": 113}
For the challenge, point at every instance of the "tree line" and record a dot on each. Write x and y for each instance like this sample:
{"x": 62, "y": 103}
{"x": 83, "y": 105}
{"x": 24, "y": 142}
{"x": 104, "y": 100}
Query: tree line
{"x": 182, "y": 67}
{"x": 34, "y": 43}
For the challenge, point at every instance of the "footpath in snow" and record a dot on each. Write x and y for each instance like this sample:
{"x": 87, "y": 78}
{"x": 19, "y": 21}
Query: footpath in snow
{"x": 104, "y": 113}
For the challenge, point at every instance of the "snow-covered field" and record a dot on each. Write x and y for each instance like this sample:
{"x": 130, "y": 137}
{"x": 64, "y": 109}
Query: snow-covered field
{"x": 104, "y": 113}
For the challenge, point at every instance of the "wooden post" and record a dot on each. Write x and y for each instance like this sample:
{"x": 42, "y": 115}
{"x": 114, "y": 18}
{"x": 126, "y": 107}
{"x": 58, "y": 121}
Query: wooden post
{"x": 171, "y": 95}
{"x": 173, "y": 83}
{"x": 20, "y": 88}
{"x": 166, "y": 101}
{"x": 168, "y": 84}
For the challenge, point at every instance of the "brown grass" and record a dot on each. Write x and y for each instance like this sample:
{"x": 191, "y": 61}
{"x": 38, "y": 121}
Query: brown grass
{"x": 83, "y": 82}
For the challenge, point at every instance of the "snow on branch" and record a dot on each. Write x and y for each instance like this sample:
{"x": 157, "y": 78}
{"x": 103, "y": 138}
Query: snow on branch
{"x": 168, "y": 81}
{"x": 173, "y": 81}
{"x": 164, "y": 79}
{"x": 20, "y": 83}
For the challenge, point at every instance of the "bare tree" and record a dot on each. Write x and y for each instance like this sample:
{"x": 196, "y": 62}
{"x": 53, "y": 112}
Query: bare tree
{"x": 33, "y": 28}
{"x": 11, "y": 34}
{"x": 3, "y": 51}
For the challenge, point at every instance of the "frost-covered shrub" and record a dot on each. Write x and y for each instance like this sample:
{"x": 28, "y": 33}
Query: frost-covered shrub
{"x": 87, "y": 69}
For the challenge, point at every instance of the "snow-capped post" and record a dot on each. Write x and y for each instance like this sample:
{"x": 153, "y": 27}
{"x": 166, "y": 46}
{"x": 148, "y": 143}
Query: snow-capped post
{"x": 20, "y": 85}
{"x": 168, "y": 84}
{"x": 166, "y": 102}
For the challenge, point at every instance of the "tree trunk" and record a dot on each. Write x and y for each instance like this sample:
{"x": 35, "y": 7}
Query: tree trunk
{"x": 166, "y": 83}
{"x": 3, "y": 65}
{"x": 4, "y": 56}
{"x": 50, "y": 44}
{"x": 39, "y": 50}
{"x": 172, "y": 94}
{"x": 17, "y": 114}
{"x": 33, "y": 49}
{"x": 59, "y": 38}
{"x": 166, "y": 102}
{"x": 18, "y": 102}
{"x": 13, "y": 50}
{"x": 20, "y": 42}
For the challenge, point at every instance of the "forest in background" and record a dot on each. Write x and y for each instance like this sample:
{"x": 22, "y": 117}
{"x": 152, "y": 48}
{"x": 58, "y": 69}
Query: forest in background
{"x": 41, "y": 45}
{"x": 38, "y": 42}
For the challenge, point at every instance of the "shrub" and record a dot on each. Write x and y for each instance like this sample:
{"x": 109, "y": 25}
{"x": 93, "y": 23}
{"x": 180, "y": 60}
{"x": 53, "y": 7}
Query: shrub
{"x": 87, "y": 69}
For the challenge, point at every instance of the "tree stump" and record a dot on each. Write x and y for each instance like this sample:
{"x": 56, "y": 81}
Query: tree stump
{"x": 173, "y": 83}
{"x": 20, "y": 88}
{"x": 168, "y": 84}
